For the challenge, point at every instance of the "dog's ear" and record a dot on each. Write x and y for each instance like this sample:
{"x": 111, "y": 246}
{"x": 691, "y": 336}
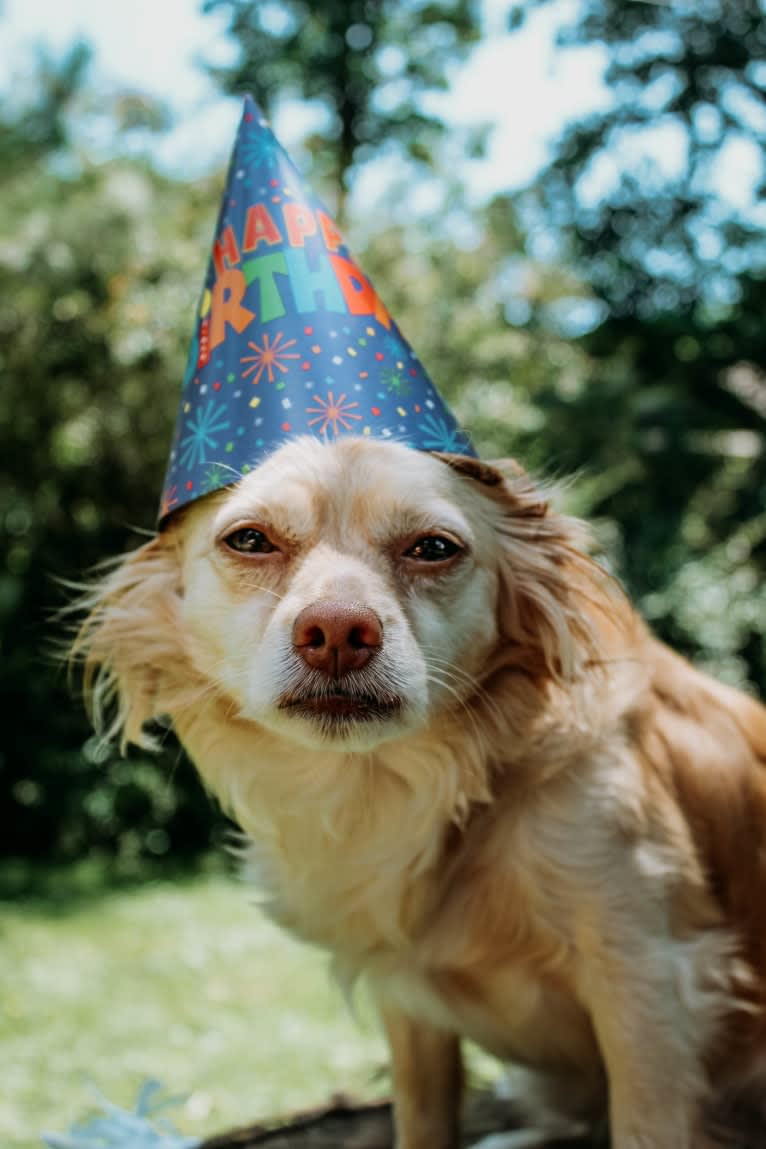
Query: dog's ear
{"x": 504, "y": 476}
{"x": 550, "y": 589}
{"x": 490, "y": 474}
{"x": 130, "y": 642}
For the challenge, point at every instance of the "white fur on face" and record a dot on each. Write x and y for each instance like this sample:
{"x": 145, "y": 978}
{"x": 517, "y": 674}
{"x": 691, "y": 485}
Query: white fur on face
{"x": 342, "y": 515}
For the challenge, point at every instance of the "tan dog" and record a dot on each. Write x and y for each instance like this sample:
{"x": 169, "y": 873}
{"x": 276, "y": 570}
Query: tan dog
{"x": 469, "y": 771}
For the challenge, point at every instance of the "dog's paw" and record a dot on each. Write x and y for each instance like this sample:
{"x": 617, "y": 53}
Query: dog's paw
{"x": 548, "y": 1109}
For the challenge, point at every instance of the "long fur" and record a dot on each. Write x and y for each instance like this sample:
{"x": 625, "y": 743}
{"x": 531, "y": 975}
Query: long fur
{"x": 564, "y": 861}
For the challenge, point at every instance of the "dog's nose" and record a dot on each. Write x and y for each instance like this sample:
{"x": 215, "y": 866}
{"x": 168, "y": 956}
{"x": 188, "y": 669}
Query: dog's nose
{"x": 337, "y": 637}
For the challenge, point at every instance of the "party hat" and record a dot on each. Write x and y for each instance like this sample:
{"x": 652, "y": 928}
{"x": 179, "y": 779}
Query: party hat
{"x": 291, "y": 337}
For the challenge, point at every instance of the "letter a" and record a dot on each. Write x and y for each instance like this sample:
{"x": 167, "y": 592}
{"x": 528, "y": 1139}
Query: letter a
{"x": 259, "y": 226}
{"x": 299, "y": 222}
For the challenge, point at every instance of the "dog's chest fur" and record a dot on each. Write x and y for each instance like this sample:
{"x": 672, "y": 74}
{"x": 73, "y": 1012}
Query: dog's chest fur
{"x": 394, "y": 925}
{"x": 362, "y": 856}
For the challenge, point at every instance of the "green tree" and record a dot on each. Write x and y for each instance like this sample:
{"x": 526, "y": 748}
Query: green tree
{"x": 672, "y": 422}
{"x": 370, "y": 64}
{"x": 36, "y": 131}
{"x": 100, "y": 268}
{"x": 458, "y": 302}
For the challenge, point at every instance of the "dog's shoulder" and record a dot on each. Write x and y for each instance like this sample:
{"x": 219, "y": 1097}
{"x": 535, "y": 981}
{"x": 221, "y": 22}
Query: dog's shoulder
{"x": 702, "y": 745}
{"x": 700, "y": 721}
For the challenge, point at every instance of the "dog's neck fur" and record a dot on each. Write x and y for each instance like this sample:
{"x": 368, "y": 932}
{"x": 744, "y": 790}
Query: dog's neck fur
{"x": 319, "y": 824}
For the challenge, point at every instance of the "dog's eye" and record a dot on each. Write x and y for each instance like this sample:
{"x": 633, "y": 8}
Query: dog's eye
{"x": 249, "y": 541}
{"x": 433, "y": 549}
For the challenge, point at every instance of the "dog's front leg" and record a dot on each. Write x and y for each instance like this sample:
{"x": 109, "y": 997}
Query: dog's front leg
{"x": 651, "y": 1041}
{"x": 427, "y": 1078}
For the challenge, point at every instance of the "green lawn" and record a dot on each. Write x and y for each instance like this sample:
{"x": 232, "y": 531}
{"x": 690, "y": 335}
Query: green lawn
{"x": 183, "y": 980}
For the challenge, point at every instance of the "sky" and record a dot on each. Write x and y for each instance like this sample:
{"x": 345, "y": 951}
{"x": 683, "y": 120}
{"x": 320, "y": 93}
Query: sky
{"x": 519, "y": 83}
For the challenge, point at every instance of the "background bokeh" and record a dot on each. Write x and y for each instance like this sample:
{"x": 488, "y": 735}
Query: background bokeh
{"x": 600, "y": 315}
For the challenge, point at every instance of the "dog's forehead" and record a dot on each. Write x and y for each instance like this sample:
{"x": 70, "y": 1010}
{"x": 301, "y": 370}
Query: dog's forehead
{"x": 306, "y": 479}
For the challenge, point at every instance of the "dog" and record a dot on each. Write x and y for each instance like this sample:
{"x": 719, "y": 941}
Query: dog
{"x": 466, "y": 769}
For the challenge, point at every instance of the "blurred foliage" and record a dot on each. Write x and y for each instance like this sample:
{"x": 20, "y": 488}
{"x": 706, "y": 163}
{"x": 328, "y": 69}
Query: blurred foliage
{"x": 39, "y": 129}
{"x": 99, "y": 272}
{"x": 635, "y": 357}
{"x": 453, "y": 298}
{"x": 657, "y": 202}
{"x": 368, "y": 64}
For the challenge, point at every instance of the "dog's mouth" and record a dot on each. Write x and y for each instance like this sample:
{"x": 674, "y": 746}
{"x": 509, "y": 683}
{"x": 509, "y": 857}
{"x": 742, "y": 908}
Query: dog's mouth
{"x": 338, "y": 706}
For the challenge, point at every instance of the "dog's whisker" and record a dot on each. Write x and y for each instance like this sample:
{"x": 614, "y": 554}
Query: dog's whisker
{"x": 441, "y": 666}
{"x": 432, "y": 677}
{"x": 473, "y": 683}
{"x": 269, "y": 590}
{"x": 238, "y": 475}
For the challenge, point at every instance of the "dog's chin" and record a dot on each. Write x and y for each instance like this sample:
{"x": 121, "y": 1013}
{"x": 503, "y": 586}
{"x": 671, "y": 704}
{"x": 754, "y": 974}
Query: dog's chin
{"x": 342, "y": 721}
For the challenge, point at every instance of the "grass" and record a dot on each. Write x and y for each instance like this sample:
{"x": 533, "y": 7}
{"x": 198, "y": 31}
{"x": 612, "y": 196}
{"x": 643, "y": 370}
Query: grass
{"x": 181, "y": 979}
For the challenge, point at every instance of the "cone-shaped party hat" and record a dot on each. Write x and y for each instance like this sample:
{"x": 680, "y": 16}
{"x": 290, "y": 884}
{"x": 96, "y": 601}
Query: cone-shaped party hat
{"x": 291, "y": 337}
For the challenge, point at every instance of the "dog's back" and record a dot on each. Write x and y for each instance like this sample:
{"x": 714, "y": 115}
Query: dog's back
{"x": 708, "y": 741}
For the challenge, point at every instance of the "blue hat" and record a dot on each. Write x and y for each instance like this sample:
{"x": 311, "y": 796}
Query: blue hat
{"x": 291, "y": 337}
